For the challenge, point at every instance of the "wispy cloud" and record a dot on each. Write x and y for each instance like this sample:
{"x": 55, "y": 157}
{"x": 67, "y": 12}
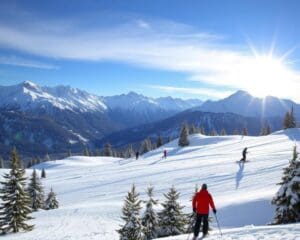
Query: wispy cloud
{"x": 157, "y": 44}
{"x": 17, "y": 61}
{"x": 205, "y": 92}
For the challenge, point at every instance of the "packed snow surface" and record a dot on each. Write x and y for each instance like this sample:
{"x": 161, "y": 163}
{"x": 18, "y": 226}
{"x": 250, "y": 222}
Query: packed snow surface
{"x": 91, "y": 190}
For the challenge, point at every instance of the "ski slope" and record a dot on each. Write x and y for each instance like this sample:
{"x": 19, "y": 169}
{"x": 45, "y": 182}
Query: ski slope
{"x": 91, "y": 190}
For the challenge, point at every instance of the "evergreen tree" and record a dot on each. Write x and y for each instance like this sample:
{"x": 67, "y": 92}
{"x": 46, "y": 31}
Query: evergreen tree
{"x": 183, "y": 138}
{"x": 150, "y": 218}
{"x": 213, "y": 132}
{"x": 172, "y": 220}
{"x": 236, "y": 132}
{"x": 223, "y": 132}
{"x": 47, "y": 158}
{"x": 193, "y": 129}
{"x": 202, "y": 131}
{"x": 245, "y": 131}
{"x": 132, "y": 229}
{"x": 268, "y": 130}
{"x": 36, "y": 192}
{"x": 289, "y": 120}
{"x": 192, "y": 216}
{"x": 1, "y": 162}
{"x": 159, "y": 142}
{"x": 107, "y": 151}
{"x": 43, "y": 174}
{"x": 287, "y": 199}
{"x": 130, "y": 152}
{"x": 86, "y": 152}
{"x": 69, "y": 153}
{"x": 145, "y": 146}
{"x": 51, "y": 201}
{"x": 15, "y": 210}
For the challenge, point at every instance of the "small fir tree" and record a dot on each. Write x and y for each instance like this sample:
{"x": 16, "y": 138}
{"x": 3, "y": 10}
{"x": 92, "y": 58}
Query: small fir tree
{"x": 132, "y": 229}
{"x": 213, "y": 132}
{"x": 36, "y": 192}
{"x": 192, "y": 216}
{"x": 159, "y": 142}
{"x": 193, "y": 129}
{"x": 43, "y": 174}
{"x": 150, "y": 217}
{"x": 130, "y": 152}
{"x": 14, "y": 210}
{"x": 245, "y": 131}
{"x": 51, "y": 201}
{"x": 287, "y": 199}
{"x": 289, "y": 120}
{"x": 183, "y": 138}
{"x": 107, "y": 151}
{"x": 145, "y": 146}
{"x": 223, "y": 132}
{"x": 1, "y": 162}
{"x": 86, "y": 152}
{"x": 172, "y": 220}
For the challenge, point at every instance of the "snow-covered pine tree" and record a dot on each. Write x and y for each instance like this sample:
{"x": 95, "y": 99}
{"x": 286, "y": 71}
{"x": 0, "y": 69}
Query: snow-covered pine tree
{"x": 193, "y": 129}
{"x": 213, "y": 132}
{"x": 51, "y": 201}
{"x": 36, "y": 192}
{"x": 150, "y": 217}
{"x": 287, "y": 199}
{"x": 183, "y": 137}
{"x": 202, "y": 131}
{"x": 14, "y": 210}
{"x": 159, "y": 141}
{"x": 69, "y": 153}
{"x": 107, "y": 151}
{"x": 145, "y": 146}
{"x": 130, "y": 152}
{"x": 43, "y": 174}
{"x": 132, "y": 229}
{"x": 172, "y": 220}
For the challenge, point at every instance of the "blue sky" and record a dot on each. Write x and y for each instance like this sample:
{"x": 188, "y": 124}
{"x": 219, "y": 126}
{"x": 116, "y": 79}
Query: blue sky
{"x": 189, "y": 49}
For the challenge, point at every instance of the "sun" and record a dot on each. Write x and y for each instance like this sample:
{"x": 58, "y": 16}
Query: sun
{"x": 265, "y": 75}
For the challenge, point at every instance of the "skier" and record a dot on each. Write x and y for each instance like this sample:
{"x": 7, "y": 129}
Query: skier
{"x": 201, "y": 202}
{"x": 137, "y": 154}
{"x": 165, "y": 153}
{"x": 244, "y": 155}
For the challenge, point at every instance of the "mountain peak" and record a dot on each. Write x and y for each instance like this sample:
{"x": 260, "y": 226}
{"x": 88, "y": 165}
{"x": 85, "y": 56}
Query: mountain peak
{"x": 29, "y": 84}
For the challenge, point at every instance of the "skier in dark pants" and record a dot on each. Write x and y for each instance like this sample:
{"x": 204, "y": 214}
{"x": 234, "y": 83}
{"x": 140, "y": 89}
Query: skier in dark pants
{"x": 201, "y": 202}
{"x": 137, "y": 154}
{"x": 244, "y": 155}
{"x": 165, "y": 153}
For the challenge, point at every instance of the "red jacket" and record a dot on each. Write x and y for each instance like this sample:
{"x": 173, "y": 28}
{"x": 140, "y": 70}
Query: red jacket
{"x": 201, "y": 202}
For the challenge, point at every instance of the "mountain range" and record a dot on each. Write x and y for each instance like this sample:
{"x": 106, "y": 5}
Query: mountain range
{"x": 38, "y": 119}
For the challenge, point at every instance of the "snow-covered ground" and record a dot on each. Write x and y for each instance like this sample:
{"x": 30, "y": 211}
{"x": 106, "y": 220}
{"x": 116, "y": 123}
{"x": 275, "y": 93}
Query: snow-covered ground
{"x": 91, "y": 190}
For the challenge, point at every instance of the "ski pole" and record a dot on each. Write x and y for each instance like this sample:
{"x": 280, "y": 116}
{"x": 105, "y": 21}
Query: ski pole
{"x": 218, "y": 224}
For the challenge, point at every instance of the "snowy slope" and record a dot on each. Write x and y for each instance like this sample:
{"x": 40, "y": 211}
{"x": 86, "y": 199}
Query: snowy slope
{"x": 91, "y": 189}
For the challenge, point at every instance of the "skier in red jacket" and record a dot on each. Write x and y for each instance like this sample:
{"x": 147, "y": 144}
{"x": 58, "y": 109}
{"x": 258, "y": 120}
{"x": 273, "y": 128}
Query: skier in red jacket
{"x": 201, "y": 202}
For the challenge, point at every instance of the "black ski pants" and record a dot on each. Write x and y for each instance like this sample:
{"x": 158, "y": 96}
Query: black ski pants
{"x": 199, "y": 219}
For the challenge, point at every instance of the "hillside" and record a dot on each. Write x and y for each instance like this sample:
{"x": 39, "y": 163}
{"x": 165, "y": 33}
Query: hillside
{"x": 91, "y": 189}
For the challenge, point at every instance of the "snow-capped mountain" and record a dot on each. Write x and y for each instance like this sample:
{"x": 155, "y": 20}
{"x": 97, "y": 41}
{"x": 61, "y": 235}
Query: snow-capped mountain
{"x": 244, "y": 104}
{"x": 28, "y": 96}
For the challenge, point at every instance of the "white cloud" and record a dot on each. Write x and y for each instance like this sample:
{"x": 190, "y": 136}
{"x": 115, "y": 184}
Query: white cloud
{"x": 157, "y": 44}
{"x": 17, "y": 61}
{"x": 204, "y": 92}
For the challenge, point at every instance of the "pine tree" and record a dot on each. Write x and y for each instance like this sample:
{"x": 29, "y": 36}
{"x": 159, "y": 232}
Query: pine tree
{"x": 245, "y": 131}
{"x": 69, "y": 153}
{"x": 193, "y": 129}
{"x": 107, "y": 151}
{"x": 43, "y": 174}
{"x": 51, "y": 201}
{"x": 15, "y": 210}
{"x": 145, "y": 146}
{"x": 268, "y": 130}
{"x": 287, "y": 199}
{"x": 183, "y": 138}
{"x": 1, "y": 162}
{"x": 130, "y": 152}
{"x": 132, "y": 229}
{"x": 159, "y": 142}
{"x": 289, "y": 120}
{"x": 36, "y": 192}
{"x": 172, "y": 220}
{"x": 223, "y": 132}
{"x": 86, "y": 152}
{"x": 213, "y": 132}
{"x": 202, "y": 131}
{"x": 192, "y": 216}
{"x": 150, "y": 217}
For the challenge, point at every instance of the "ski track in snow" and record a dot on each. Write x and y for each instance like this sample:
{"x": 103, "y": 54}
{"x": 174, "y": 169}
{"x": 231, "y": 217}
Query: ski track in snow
{"x": 91, "y": 190}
